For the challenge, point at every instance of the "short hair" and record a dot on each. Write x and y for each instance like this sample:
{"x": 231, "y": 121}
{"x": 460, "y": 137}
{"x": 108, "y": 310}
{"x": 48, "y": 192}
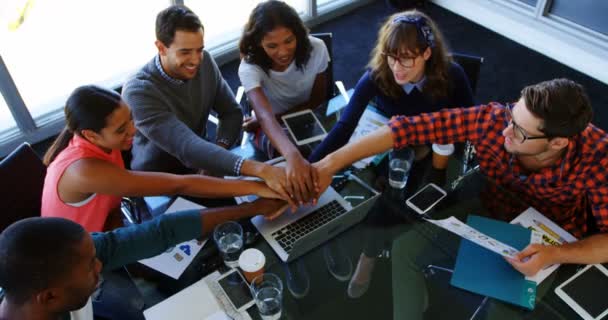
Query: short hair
{"x": 561, "y": 104}
{"x": 264, "y": 18}
{"x": 35, "y": 253}
{"x": 394, "y": 36}
{"x": 174, "y": 18}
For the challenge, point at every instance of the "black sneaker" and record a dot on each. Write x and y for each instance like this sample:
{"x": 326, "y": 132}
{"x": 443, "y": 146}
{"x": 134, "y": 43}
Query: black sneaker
{"x": 297, "y": 278}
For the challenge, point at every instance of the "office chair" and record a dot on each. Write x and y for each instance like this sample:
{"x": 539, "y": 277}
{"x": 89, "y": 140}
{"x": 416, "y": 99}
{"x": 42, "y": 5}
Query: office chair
{"x": 22, "y": 174}
{"x": 327, "y": 38}
{"x": 471, "y": 66}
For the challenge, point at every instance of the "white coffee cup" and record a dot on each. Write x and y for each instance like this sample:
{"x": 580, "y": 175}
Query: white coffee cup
{"x": 441, "y": 154}
{"x": 251, "y": 262}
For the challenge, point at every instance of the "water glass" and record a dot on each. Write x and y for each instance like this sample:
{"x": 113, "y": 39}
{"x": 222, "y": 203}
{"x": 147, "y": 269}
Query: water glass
{"x": 267, "y": 291}
{"x": 229, "y": 239}
{"x": 400, "y": 163}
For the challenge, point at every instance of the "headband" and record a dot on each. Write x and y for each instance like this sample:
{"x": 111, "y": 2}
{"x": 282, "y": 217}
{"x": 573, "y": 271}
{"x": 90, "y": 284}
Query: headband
{"x": 421, "y": 25}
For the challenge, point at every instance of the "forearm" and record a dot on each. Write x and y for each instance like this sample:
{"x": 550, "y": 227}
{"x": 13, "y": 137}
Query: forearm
{"x": 136, "y": 242}
{"x": 210, "y": 187}
{"x": 590, "y": 250}
{"x": 213, "y": 216}
{"x": 277, "y": 136}
{"x": 374, "y": 143}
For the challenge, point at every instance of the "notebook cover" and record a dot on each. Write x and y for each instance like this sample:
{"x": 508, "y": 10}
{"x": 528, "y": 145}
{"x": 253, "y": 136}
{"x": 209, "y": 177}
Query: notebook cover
{"x": 484, "y": 272}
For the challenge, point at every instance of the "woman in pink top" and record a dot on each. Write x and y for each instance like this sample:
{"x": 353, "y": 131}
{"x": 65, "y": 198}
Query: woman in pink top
{"x": 86, "y": 176}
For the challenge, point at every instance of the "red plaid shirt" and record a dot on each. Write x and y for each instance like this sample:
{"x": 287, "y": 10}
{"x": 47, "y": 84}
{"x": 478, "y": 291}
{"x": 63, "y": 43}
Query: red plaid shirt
{"x": 561, "y": 192}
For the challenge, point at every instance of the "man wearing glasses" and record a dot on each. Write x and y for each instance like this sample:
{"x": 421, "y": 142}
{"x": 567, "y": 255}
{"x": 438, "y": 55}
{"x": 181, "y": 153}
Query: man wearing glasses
{"x": 543, "y": 148}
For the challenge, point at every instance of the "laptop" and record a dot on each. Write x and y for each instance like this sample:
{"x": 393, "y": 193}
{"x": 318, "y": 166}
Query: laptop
{"x": 295, "y": 233}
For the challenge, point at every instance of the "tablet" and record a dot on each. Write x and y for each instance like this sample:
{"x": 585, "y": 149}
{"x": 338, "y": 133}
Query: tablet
{"x": 304, "y": 127}
{"x": 585, "y": 292}
{"x": 236, "y": 289}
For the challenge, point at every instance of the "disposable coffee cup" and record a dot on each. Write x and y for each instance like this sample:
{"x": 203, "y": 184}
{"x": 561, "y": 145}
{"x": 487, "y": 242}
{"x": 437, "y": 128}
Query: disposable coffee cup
{"x": 441, "y": 155}
{"x": 252, "y": 263}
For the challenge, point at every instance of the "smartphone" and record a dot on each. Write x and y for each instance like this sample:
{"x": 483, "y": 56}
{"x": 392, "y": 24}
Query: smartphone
{"x": 235, "y": 287}
{"x": 585, "y": 292}
{"x": 426, "y": 198}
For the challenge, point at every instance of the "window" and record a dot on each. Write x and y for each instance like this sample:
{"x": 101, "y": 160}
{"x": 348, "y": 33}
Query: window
{"x": 221, "y": 29}
{"x": 529, "y": 2}
{"x": 51, "y": 47}
{"x": 587, "y": 13}
{"x": 6, "y": 118}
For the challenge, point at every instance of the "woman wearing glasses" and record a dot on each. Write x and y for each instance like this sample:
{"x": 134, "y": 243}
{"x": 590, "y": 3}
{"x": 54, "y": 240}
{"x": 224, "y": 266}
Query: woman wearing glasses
{"x": 409, "y": 73}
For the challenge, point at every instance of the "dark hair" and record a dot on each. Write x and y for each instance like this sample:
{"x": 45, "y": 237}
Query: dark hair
{"x": 396, "y": 35}
{"x": 36, "y": 253}
{"x": 174, "y": 18}
{"x": 87, "y": 108}
{"x": 264, "y": 18}
{"x": 562, "y": 104}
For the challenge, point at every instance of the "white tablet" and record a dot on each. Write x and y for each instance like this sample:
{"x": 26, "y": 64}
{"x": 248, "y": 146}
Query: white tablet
{"x": 304, "y": 127}
{"x": 585, "y": 292}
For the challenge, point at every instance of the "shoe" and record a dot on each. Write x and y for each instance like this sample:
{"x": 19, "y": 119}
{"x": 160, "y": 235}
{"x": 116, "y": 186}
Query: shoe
{"x": 338, "y": 263}
{"x": 361, "y": 280}
{"x": 297, "y": 278}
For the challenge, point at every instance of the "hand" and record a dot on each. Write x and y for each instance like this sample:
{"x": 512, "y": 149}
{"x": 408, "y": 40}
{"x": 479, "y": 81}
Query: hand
{"x": 276, "y": 179}
{"x": 250, "y": 124}
{"x": 300, "y": 180}
{"x": 534, "y": 258}
{"x": 266, "y": 192}
{"x": 323, "y": 175}
{"x": 271, "y": 208}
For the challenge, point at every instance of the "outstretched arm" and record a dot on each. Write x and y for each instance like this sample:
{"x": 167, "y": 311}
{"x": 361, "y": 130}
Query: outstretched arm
{"x": 376, "y": 142}
{"x": 127, "y": 245}
{"x": 536, "y": 257}
{"x": 89, "y": 176}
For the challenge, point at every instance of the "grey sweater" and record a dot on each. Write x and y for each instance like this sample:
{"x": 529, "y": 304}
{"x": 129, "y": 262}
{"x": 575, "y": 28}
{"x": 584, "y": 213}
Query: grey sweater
{"x": 171, "y": 119}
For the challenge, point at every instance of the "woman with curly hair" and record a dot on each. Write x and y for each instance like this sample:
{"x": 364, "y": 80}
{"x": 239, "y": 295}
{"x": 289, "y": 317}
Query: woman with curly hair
{"x": 283, "y": 71}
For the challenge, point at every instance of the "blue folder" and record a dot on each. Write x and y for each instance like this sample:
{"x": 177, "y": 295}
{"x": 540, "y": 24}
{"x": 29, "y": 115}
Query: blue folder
{"x": 487, "y": 273}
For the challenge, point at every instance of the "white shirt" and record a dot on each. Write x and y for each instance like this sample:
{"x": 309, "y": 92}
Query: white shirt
{"x": 289, "y": 88}
{"x": 85, "y": 313}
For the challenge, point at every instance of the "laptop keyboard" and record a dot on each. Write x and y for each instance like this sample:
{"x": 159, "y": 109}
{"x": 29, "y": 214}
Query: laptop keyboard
{"x": 289, "y": 234}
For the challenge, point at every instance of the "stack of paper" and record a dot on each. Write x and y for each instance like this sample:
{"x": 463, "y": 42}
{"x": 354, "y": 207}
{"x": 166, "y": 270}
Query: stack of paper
{"x": 551, "y": 234}
{"x": 370, "y": 121}
{"x": 175, "y": 260}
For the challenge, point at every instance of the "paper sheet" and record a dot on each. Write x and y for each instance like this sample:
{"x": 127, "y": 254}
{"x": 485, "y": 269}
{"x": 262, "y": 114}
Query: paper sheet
{"x": 462, "y": 229}
{"x": 176, "y": 259}
{"x": 370, "y": 121}
{"x": 550, "y": 233}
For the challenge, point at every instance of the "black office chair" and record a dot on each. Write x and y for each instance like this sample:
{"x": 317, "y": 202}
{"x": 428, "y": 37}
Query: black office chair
{"x": 327, "y": 38}
{"x": 471, "y": 66}
{"x": 22, "y": 174}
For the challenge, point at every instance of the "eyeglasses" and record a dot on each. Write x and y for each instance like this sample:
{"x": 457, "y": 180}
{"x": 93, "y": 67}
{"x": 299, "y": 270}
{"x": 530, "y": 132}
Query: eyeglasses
{"x": 406, "y": 62}
{"x": 518, "y": 132}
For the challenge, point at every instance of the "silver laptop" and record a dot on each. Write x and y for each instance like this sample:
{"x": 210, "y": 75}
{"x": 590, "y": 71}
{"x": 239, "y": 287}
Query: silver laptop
{"x": 295, "y": 233}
